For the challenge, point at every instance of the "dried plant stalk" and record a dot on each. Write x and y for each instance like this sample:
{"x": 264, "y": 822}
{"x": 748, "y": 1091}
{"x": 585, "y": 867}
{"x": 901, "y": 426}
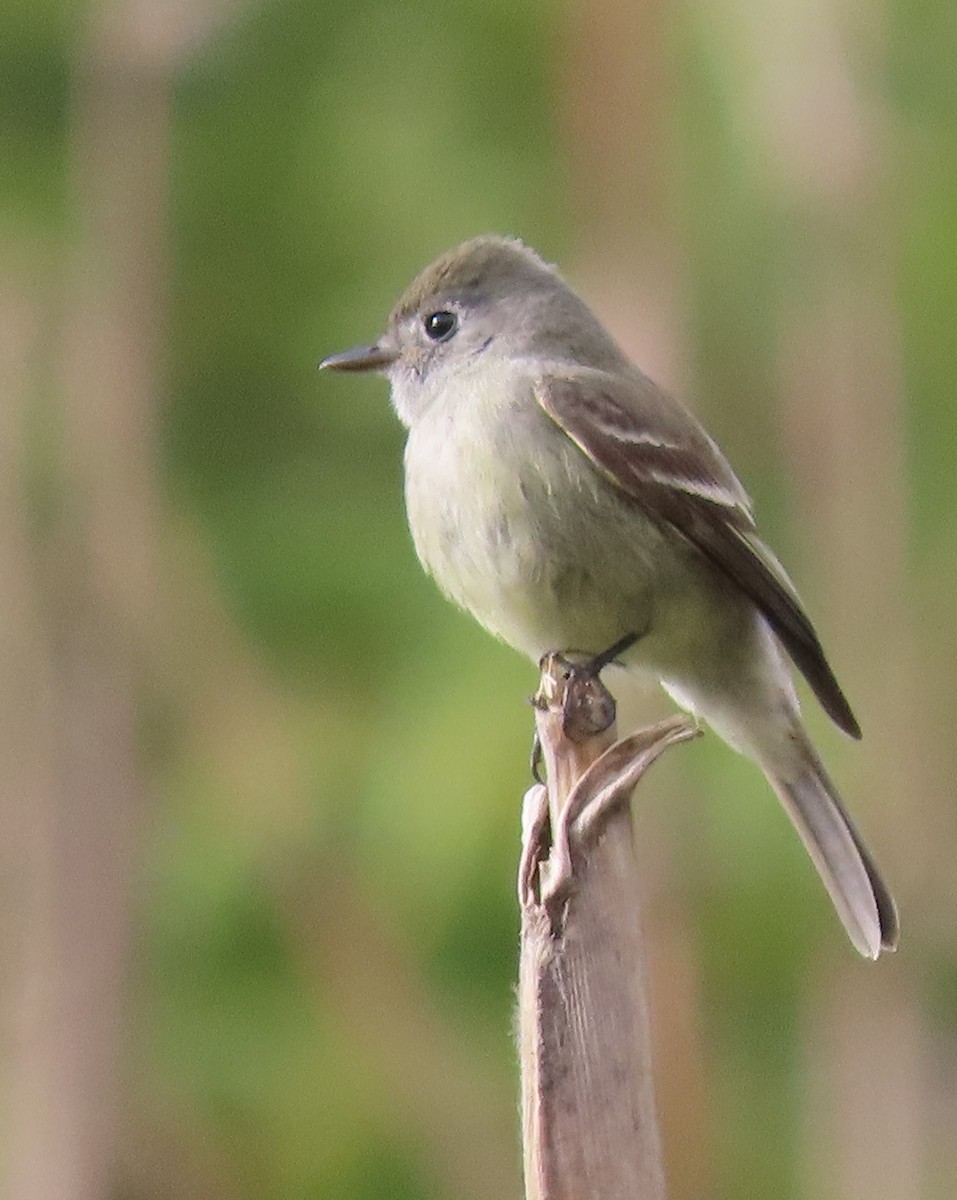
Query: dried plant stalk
{"x": 590, "y": 1127}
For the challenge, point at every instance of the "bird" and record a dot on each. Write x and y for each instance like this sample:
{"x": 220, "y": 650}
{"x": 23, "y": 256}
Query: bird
{"x": 568, "y": 502}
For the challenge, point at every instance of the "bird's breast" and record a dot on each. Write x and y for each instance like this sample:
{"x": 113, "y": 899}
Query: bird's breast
{"x": 468, "y": 514}
{"x": 517, "y": 527}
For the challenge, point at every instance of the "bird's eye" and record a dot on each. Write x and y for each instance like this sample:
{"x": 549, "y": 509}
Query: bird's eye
{"x": 440, "y": 326}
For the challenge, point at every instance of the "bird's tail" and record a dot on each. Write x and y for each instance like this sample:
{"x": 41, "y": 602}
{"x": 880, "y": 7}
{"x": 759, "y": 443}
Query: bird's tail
{"x": 860, "y": 896}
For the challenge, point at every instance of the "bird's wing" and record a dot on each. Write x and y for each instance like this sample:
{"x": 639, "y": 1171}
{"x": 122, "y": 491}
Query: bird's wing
{"x": 656, "y": 453}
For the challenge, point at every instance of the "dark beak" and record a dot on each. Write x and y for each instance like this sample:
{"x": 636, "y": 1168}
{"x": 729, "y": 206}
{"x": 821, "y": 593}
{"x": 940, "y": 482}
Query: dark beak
{"x": 360, "y": 358}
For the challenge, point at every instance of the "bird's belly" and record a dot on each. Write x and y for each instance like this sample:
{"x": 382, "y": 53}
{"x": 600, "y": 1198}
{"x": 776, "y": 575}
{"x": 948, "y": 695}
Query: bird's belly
{"x": 537, "y": 551}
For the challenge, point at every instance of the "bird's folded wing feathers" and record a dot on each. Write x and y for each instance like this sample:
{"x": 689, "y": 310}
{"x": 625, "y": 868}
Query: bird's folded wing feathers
{"x": 656, "y": 453}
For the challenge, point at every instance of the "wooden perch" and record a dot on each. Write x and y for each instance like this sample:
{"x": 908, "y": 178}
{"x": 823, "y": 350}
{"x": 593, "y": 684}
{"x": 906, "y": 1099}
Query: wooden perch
{"x": 590, "y": 1128}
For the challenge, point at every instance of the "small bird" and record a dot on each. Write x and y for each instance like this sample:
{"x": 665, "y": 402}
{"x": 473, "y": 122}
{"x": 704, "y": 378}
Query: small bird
{"x": 566, "y": 501}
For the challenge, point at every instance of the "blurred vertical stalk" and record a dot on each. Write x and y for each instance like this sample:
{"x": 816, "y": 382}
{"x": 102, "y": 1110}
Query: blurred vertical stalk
{"x": 84, "y": 568}
{"x": 825, "y": 146}
{"x": 866, "y": 1081}
{"x": 615, "y": 98}
{"x": 89, "y": 606}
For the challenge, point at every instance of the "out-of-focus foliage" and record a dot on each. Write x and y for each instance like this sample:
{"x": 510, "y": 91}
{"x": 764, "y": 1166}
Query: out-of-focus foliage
{"x": 325, "y": 924}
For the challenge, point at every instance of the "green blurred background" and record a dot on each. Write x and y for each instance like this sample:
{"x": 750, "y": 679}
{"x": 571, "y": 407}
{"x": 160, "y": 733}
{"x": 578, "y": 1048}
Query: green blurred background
{"x": 259, "y": 784}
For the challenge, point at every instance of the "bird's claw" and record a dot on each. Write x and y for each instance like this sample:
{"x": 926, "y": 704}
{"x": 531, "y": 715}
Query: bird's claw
{"x": 537, "y": 758}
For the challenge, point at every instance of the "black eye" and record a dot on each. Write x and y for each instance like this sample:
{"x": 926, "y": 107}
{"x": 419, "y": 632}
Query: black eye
{"x": 440, "y": 325}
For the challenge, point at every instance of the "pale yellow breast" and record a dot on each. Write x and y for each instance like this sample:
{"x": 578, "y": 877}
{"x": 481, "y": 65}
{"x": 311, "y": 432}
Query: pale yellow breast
{"x": 470, "y": 521}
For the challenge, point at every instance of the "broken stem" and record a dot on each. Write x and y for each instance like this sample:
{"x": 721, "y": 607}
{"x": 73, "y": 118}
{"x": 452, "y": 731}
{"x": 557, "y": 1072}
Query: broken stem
{"x": 590, "y": 1128}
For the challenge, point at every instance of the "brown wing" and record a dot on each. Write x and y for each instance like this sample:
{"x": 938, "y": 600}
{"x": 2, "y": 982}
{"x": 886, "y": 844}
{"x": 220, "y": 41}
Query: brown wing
{"x": 655, "y": 452}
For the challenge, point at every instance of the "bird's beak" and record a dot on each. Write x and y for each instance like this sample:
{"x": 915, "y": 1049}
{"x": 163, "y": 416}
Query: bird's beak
{"x": 360, "y": 358}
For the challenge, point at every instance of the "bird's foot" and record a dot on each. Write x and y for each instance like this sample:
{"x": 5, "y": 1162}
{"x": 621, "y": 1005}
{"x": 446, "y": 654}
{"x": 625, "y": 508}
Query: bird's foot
{"x": 594, "y": 666}
{"x": 589, "y": 707}
{"x": 537, "y": 757}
